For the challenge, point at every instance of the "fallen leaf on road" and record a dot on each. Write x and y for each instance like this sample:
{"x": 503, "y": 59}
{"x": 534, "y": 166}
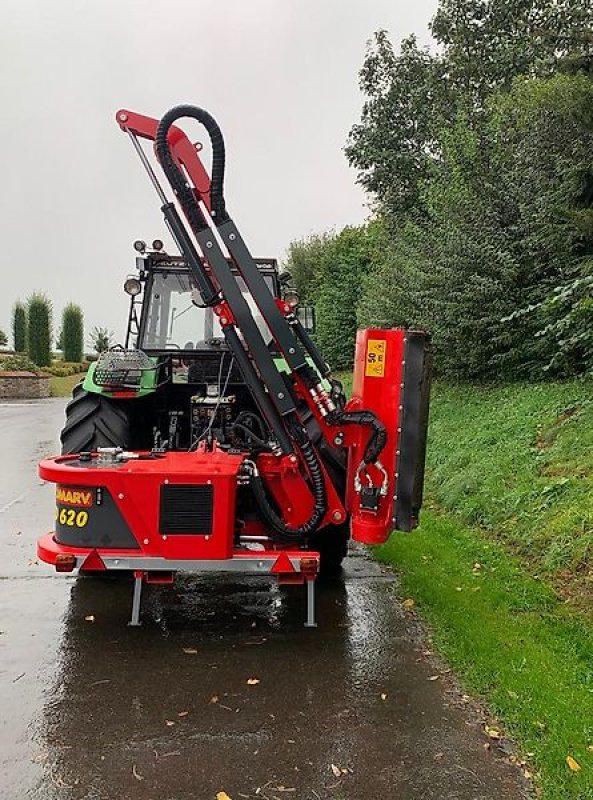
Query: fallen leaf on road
{"x": 182, "y": 713}
{"x": 136, "y": 774}
{"x": 433, "y": 678}
{"x": 383, "y": 695}
{"x": 214, "y": 699}
{"x": 336, "y": 770}
{"x": 408, "y": 603}
{"x": 252, "y": 681}
{"x": 169, "y": 722}
{"x": 492, "y": 733}
{"x": 90, "y": 618}
{"x": 573, "y": 764}
{"x": 222, "y": 796}
{"x": 190, "y": 651}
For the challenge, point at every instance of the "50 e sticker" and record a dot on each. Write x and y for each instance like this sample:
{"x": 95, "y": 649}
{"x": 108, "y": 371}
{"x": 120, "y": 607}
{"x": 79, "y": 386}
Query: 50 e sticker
{"x": 375, "y": 361}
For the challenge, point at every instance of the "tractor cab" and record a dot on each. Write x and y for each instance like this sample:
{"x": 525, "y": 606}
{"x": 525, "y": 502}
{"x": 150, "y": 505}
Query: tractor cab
{"x": 167, "y": 316}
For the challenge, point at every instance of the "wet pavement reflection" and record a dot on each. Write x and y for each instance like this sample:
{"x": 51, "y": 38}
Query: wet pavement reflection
{"x": 221, "y": 688}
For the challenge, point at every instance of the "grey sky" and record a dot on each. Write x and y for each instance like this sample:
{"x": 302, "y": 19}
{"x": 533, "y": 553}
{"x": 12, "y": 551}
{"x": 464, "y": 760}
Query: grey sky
{"x": 279, "y": 75}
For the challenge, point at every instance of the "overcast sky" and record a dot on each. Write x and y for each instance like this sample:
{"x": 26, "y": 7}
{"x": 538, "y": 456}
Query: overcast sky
{"x": 280, "y": 76}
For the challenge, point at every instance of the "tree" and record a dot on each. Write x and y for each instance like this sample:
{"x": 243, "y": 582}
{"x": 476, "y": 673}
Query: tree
{"x": 544, "y": 134}
{"x": 394, "y": 143}
{"x": 303, "y": 263}
{"x": 3, "y": 339}
{"x": 19, "y": 327}
{"x": 101, "y": 339}
{"x": 39, "y": 313}
{"x": 328, "y": 271}
{"x": 478, "y": 158}
{"x": 482, "y": 46}
{"x": 72, "y": 333}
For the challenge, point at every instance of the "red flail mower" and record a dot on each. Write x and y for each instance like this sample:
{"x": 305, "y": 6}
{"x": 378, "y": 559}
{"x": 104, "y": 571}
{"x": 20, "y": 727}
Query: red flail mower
{"x": 216, "y": 438}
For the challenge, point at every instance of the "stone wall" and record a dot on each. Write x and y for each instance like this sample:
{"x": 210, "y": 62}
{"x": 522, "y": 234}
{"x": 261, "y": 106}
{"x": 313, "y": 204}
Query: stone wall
{"x": 23, "y": 385}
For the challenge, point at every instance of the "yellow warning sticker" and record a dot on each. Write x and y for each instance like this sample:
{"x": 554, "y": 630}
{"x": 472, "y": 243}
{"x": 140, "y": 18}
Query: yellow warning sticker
{"x": 376, "y": 353}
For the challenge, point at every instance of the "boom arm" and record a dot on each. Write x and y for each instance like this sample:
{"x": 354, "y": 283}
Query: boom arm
{"x": 203, "y": 204}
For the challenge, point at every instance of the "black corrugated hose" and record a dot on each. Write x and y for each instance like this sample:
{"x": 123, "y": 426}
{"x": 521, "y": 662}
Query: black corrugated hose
{"x": 283, "y": 531}
{"x": 197, "y": 221}
{"x": 174, "y": 174}
{"x": 378, "y": 437}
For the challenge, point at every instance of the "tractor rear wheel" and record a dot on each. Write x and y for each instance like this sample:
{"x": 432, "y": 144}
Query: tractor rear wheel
{"x": 332, "y": 546}
{"x": 94, "y": 421}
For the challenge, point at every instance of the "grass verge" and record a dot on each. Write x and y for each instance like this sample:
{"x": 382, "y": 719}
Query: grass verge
{"x": 517, "y": 462}
{"x": 510, "y": 640}
{"x": 62, "y": 387}
{"x": 502, "y": 565}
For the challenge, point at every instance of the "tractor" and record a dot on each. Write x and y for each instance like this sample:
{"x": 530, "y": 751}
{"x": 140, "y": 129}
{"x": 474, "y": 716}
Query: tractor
{"x": 216, "y": 438}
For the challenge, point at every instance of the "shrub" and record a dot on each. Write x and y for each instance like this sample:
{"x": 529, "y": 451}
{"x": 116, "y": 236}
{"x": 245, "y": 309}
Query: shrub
{"x": 72, "y": 333}
{"x": 62, "y": 369}
{"x": 19, "y": 327}
{"x": 19, "y": 362}
{"x": 39, "y": 329}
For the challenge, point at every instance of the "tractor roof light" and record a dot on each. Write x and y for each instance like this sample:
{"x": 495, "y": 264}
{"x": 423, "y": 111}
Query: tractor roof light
{"x": 157, "y": 245}
{"x": 291, "y": 296}
{"x": 140, "y": 246}
{"x": 132, "y": 286}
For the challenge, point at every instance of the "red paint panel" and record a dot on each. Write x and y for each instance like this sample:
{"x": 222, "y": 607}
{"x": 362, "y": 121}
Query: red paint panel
{"x": 378, "y": 371}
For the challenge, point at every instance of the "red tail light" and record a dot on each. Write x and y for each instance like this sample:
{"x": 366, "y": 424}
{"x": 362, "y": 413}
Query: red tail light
{"x": 65, "y": 562}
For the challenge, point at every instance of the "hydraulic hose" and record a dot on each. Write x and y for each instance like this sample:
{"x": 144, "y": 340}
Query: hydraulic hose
{"x": 378, "y": 437}
{"x": 174, "y": 174}
{"x": 285, "y": 533}
{"x": 198, "y": 222}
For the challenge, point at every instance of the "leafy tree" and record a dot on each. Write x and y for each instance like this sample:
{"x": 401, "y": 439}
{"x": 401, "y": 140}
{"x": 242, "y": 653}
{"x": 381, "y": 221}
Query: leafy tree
{"x": 478, "y": 158}
{"x": 394, "y": 143}
{"x": 452, "y": 271}
{"x": 328, "y": 271}
{"x": 486, "y": 45}
{"x": 482, "y": 46}
{"x": 19, "y": 327}
{"x": 544, "y": 134}
{"x": 101, "y": 339}
{"x": 3, "y": 339}
{"x": 303, "y": 263}
{"x": 72, "y": 333}
{"x": 39, "y": 313}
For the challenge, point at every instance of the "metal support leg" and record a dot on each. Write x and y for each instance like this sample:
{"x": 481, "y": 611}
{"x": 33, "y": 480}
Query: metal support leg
{"x": 310, "y": 623}
{"x": 135, "y": 621}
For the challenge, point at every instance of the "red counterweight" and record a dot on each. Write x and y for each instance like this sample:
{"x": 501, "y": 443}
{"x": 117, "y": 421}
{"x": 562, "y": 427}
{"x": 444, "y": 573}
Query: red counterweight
{"x": 392, "y": 379}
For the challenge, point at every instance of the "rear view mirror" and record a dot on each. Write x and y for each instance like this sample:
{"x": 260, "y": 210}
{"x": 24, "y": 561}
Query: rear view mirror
{"x": 306, "y": 316}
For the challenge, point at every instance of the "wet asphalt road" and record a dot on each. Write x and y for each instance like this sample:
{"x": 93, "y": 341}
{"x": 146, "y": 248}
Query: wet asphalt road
{"x": 94, "y": 709}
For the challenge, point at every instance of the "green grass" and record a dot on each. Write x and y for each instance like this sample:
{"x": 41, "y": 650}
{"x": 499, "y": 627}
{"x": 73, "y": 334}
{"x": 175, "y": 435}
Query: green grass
{"x": 511, "y": 641}
{"x": 62, "y": 387}
{"x": 502, "y": 565}
{"x": 517, "y": 461}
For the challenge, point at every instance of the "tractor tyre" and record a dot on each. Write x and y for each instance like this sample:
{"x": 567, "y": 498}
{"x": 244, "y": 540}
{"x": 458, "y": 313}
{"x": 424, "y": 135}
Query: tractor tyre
{"x": 332, "y": 546}
{"x": 94, "y": 421}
